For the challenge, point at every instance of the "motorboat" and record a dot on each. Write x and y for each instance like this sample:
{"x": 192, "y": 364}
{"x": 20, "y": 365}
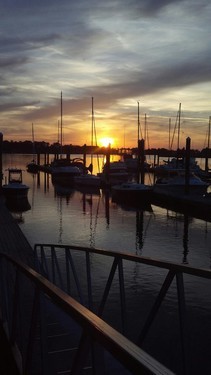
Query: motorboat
{"x": 88, "y": 180}
{"x": 178, "y": 165}
{"x": 114, "y": 173}
{"x": 132, "y": 193}
{"x": 65, "y": 170}
{"x": 132, "y": 164}
{"x": 179, "y": 182}
{"x": 14, "y": 188}
{"x": 32, "y": 167}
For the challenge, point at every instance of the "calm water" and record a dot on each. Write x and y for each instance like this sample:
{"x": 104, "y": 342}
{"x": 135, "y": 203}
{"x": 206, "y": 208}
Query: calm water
{"x": 69, "y": 216}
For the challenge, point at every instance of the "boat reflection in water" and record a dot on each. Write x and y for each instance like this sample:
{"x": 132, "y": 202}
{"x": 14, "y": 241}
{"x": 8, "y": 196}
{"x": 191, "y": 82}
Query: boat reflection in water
{"x": 63, "y": 190}
{"x": 17, "y": 208}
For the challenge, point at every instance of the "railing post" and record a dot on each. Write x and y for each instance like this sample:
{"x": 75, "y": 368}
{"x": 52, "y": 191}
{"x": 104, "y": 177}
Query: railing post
{"x": 122, "y": 295}
{"x": 75, "y": 277}
{"x": 5, "y": 306}
{"x": 182, "y": 319}
{"x": 108, "y": 286}
{"x": 67, "y": 270}
{"x": 156, "y": 306}
{"x": 15, "y": 308}
{"x": 89, "y": 281}
{"x": 1, "y": 171}
{"x": 34, "y": 320}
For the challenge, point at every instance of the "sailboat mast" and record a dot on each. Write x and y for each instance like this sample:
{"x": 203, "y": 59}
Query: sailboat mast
{"x": 179, "y": 118}
{"x": 92, "y": 131}
{"x": 61, "y": 125}
{"x": 145, "y": 127}
{"x": 208, "y": 141}
{"x": 32, "y": 132}
{"x": 208, "y": 146}
{"x": 33, "y": 144}
{"x": 169, "y": 134}
{"x": 138, "y": 124}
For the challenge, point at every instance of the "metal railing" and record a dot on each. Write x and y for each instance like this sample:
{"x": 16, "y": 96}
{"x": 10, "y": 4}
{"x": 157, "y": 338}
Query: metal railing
{"x": 91, "y": 279}
{"x": 30, "y": 304}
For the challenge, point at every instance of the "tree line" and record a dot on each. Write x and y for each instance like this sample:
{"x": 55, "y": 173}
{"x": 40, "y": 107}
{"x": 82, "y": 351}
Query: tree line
{"x": 28, "y": 147}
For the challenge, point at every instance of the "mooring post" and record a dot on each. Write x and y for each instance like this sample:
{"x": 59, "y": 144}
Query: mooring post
{"x": 1, "y": 151}
{"x": 187, "y": 166}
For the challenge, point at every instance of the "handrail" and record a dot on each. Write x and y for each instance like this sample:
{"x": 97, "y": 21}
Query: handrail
{"x": 171, "y": 266}
{"x": 172, "y": 271}
{"x": 93, "y": 327}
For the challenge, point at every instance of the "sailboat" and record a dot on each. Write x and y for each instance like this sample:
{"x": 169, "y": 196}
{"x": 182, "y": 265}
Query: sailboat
{"x": 32, "y": 167}
{"x": 132, "y": 162}
{"x": 63, "y": 170}
{"x": 177, "y": 164}
{"x": 89, "y": 179}
{"x": 134, "y": 193}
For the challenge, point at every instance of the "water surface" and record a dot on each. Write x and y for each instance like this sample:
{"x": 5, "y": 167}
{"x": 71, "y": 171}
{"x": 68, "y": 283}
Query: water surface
{"x": 64, "y": 215}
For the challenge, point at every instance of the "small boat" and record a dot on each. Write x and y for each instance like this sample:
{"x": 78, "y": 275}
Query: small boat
{"x": 178, "y": 183}
{"x": 114, "y": 173}
{"x": 65, "y": 170}
{"x": 88, "y": 180}
{"x": 132, "y": 164}
{"x": 132, "y": 193}
{"x": 32, "y": 167}
{"x": 175, "y": 165}
{"x": 15, "y": 189}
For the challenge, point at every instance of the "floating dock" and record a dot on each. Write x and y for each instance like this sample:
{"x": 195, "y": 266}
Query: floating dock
{"x": 191, "y": 204}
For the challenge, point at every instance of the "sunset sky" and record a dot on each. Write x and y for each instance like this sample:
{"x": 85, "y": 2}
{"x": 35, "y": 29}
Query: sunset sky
{"x": 120, "y": 52}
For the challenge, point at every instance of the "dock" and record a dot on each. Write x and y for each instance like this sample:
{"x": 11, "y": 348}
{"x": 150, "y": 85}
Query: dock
{"x": 12, "y": 240}
{"x": 191, "y": 204}
{"x": 13, "y": 243}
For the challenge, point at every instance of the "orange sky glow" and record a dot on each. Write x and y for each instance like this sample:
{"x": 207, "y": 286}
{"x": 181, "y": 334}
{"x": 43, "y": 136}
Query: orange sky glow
{"x": 120, "y": 54}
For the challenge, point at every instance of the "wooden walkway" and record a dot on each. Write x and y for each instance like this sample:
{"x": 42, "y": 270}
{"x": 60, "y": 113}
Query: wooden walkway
{"x": 12, "y": 240}
{"x": 14, "y": 243}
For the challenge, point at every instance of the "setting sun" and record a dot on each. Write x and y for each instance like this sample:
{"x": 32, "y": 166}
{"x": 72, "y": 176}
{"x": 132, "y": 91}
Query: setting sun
{"x": 106, "y": 141}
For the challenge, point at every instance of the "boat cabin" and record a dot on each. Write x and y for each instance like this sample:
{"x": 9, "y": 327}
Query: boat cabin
{"x": 14, "y": 175}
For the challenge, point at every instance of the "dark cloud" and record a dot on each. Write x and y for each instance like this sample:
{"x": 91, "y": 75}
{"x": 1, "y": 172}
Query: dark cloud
{"x": 12, "y": 62}
{"x": 116, "y": 51}
{"x": 139, "y": 84}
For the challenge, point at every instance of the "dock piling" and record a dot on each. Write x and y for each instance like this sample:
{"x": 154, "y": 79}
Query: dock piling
{"x": 1, "y": 151}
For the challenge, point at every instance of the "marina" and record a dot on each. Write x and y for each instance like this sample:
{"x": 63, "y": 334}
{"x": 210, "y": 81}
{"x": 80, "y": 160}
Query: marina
{"x": 88, "y": 217}
{"x": 105, "y": 189}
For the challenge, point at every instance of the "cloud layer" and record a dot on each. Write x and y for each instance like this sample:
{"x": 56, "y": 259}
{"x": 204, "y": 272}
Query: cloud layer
{"x": 119, "y": 52}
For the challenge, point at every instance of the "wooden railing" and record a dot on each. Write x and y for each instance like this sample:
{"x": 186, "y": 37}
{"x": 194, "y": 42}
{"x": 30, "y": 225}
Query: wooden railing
{"x": 80, "y": 276}
{"x": 30, "y": 304}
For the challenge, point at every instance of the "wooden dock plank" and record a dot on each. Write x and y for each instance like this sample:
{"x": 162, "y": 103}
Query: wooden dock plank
{"x": 12, "y": 240}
